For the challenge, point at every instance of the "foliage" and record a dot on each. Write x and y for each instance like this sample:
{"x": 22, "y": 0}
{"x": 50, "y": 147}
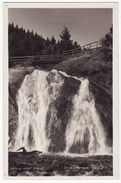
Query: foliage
{"x": 27, "y": 43}
{"x": 107, "y": 44}
{"x": 66, "y": 42}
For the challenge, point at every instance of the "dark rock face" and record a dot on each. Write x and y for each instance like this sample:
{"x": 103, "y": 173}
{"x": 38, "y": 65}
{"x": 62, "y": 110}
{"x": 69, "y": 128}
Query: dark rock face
{"x": 13, "y": 111}
{"x": 103, "y": 104}
{"x": 13, "y": 118}
{"x": 59, "y": 112}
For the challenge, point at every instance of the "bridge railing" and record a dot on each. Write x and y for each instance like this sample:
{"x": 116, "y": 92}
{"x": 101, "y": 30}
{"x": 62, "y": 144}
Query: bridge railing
{"x": 37, "y": 58}
{"x": 72, "y": 52}
{"x": 93, "y": 45}
{"x": 81, "y": 50}
{"x": 48, "y": 59}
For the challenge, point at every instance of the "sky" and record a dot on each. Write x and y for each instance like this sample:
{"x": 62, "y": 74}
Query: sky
{"x": 85, "y": 25}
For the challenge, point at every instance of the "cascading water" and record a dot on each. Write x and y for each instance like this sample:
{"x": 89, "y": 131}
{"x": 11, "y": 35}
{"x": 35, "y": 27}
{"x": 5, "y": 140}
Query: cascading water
{"x": 38, "y": 90}
{"x": 32, "y": 102}
{"x": 85, "y": 127}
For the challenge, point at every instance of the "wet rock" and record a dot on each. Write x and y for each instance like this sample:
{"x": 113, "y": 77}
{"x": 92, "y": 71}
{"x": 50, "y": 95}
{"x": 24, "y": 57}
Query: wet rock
{"x": 56, "y": 165}
{"x": 13, "y": 118}
{"x": 59, "y": 114}
{"x": 101, "y": 87}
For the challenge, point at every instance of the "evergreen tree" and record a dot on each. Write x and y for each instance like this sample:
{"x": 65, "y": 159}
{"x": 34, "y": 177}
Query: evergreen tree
{"x": 58, "y": 47}
{"x": 53, "y": 41}
{"x": 53, "y": 45}
{"x": 25, "y": 43}
{"x": 106, "y": 48}
{"x": 66, "y": 42}
{"x": 48, "y": 46}
{"x": 47, "y": 42}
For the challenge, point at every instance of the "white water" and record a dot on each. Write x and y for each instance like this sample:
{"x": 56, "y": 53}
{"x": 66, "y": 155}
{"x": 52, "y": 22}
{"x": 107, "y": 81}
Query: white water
{"x": 33, "y": 101}
{"x": 34, "y": 97}
{"x": 85, "y": 125}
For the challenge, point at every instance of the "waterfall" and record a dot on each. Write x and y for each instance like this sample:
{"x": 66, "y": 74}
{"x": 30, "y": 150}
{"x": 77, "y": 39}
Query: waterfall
{"x": 85, "y": 127}
{"x": 37, "y": 92}
{"x": 33, "y": 103}
{"x": 33, "y": 100}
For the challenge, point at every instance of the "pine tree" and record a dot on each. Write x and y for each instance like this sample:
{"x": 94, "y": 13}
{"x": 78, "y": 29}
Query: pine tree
{"x": 66, "y": 42}
{"x": 23, "y": 43}
{"x": 53, "y": 45}
{"x": 53, "y": 41}
{"x": 106, "y": 48}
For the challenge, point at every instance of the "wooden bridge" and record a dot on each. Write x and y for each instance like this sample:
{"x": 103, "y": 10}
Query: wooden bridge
{"x": 87, "y": 48}
{"x": 55, "y": 59}
{"x": 38, "y": 59}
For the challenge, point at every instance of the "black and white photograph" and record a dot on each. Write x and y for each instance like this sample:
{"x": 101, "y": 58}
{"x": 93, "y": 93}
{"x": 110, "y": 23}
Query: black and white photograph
{"x": 60, "y": 91}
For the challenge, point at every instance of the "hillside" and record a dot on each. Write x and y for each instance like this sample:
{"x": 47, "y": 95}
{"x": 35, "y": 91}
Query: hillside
{"x": 92, "y": 66}
{"x": 99, "y": 74}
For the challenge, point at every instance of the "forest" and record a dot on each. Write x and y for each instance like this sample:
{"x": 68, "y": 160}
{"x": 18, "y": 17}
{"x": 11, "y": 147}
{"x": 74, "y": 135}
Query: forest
{"x": 27, "y": 43}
